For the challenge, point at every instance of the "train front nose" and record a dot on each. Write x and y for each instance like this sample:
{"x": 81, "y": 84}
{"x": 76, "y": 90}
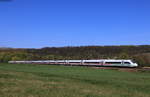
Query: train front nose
{"x": 135, "y": 64}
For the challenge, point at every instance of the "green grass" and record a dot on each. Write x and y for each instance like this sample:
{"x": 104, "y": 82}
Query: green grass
{"x": 28, "y": 80}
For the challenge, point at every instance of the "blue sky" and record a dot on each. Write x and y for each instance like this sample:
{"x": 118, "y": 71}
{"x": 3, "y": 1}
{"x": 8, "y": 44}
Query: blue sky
{"x": 42, "y": 23}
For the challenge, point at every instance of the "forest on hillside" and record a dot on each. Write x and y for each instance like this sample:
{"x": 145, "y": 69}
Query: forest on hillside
{"x": 140, "y": 53}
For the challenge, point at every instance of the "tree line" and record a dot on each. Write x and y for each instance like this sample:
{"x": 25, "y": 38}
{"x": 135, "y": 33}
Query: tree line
{"x": 139, "y": 54}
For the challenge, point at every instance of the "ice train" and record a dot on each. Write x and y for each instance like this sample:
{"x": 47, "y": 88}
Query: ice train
{"x": 102, "y": 62}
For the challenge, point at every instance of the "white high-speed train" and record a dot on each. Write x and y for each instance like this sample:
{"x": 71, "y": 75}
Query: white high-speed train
{"x": 102, "y": 62}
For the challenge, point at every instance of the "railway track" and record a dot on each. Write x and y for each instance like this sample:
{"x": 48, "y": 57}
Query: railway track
{"x": 127, "y": 69}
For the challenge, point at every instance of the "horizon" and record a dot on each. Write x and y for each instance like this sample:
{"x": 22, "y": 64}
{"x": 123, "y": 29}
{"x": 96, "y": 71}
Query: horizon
{"x": 38, "y": 24}
{"x": 75, "y": 46}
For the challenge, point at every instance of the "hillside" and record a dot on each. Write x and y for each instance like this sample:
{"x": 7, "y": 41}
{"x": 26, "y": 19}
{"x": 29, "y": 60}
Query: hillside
{"x": 140, "y": 53}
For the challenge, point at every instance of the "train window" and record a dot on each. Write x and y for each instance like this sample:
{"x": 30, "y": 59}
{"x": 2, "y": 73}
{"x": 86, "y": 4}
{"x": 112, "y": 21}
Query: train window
{"x": 92, "y": 62}
{"x": 126, "y": 62}
{"x": 112, "y": 62}
{"x": 74, "y": 62}
{"x": 60, "y": 62}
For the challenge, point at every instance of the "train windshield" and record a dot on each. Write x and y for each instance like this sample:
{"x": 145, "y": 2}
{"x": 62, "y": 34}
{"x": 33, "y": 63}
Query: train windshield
{"x": 127, "y": 63}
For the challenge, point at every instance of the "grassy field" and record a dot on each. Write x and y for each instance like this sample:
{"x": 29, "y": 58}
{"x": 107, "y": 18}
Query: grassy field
{"x": 27, "y": 80}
